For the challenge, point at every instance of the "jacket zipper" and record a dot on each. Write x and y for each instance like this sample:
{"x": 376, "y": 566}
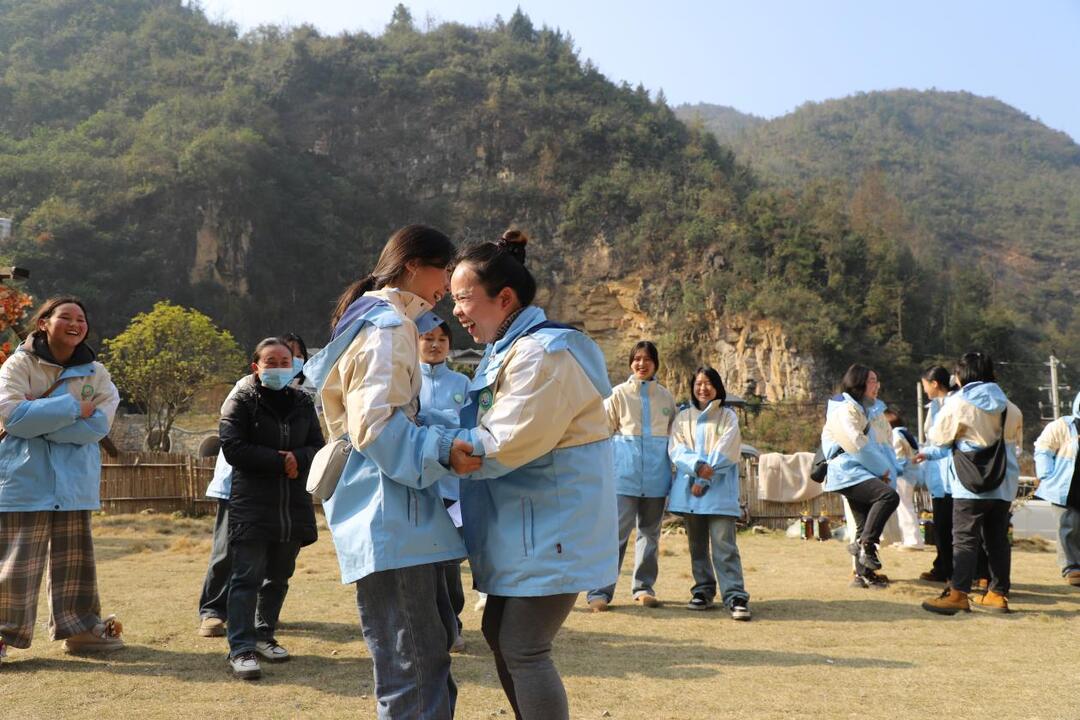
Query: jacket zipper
{"x": 286, "y": 530}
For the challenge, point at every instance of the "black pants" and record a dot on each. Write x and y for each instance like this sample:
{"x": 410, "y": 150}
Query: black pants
{"x": 254, "y": 605}
{"x": 943, "y": 510}
{"x": 985, "y": 523}
{"x": 457, "y": 592}
{"x": 872, "y": 503}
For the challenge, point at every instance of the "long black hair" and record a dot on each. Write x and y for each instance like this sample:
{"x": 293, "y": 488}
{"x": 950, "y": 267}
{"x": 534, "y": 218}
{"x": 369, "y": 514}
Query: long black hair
{"x": 412, "y": 242}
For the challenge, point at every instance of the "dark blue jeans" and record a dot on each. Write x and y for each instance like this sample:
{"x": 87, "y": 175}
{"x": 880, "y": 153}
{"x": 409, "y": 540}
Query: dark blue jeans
{"x": 254, "y": 607}
{"x": 409, "y": 625}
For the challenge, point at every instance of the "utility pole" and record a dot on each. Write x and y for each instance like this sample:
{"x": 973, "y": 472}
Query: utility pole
{"x": 1054, "y": 388}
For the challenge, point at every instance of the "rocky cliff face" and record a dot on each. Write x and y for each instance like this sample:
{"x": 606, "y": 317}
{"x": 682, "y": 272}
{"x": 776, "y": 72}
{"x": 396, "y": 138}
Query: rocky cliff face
{"x": 752, "y": 356}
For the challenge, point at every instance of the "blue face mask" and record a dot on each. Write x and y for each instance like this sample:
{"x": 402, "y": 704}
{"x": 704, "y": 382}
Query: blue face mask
{"x": 276, "y": 378}
{"x": 297, "y": 366}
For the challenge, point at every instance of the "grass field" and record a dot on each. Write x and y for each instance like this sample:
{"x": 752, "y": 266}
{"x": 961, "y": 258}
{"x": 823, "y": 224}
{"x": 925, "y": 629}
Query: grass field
{"x": 814, "y": 649}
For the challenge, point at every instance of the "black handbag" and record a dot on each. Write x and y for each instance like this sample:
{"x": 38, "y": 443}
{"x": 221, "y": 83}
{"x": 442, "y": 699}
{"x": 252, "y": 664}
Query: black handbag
{"x": 982, "y": 471}
{"x": 819, "y": 466}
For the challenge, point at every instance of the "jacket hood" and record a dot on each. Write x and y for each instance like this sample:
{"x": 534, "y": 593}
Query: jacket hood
{"x": 985, "y": 395}
{"x": 38, "y": 344}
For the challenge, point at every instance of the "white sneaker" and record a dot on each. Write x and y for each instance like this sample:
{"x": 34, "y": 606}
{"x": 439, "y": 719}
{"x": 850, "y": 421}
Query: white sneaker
{"x": 246, "y": 666}
{"x": 270, "y": 650}
{"x": 481, "y": 603}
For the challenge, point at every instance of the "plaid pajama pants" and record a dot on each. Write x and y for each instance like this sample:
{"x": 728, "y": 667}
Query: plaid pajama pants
{"x": 30, "y": 541}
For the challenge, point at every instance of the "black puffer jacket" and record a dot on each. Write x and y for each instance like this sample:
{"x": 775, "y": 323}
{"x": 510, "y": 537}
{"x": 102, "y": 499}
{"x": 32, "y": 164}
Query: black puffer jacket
{"x": 255, "y": 424}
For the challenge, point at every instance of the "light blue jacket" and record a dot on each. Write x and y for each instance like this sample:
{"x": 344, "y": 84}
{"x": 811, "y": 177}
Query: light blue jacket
{"x": 540, "y": 516}
{"x": 640, "y": 413}
{"x": 1055, "y": 457}
{"x": 442, "y": 395}
{"x": 935, "y": 472}
{"x": 866, "y": 438}
{"x": 386, "y": 512}
{"x": 50, "y": 459}
{"x": 712, "y": 437}
{"x": 221, "y": 484}
{"x": 977, "y": 403}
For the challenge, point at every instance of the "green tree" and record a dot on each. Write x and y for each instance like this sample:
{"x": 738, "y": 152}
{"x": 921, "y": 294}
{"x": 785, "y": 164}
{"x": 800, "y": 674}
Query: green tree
{"x": 164, "y": 358}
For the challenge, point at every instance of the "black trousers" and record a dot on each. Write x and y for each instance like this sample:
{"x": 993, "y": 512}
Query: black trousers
{"x": 872, "y": 503}
{"x": 981, "y": 523}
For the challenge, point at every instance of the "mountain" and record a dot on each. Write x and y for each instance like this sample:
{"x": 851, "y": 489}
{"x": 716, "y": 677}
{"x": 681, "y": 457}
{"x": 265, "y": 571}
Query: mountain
{"x": 983, "y": 184}
{"x": 726, "y": 123}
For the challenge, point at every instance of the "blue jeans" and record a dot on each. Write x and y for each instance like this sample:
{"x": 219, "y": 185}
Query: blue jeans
{"x": 719, "y": 531}
{"x": 1068, "y": 539}
{"x": 409, "y": 625}
{"x": 254, "y": 607}
{"x": 646, "y": 514}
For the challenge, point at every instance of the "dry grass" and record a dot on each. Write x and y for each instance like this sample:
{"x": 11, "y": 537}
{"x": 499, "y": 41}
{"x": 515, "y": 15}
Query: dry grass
{"x": 815, "y": 647}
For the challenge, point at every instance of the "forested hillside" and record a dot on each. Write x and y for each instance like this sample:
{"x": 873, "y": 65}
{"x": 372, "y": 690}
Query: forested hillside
{"x": 147, "y": 153}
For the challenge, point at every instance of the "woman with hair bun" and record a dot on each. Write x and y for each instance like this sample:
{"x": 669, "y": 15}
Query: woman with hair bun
{"x": 539, "y": 515}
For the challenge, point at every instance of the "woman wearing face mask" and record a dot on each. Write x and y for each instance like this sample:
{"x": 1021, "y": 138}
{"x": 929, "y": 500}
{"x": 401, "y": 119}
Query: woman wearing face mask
{"x": 269, "y": 434}
{"x": 213, "y": 600}
{"x": 640, "y": 412}
{"x": 390, "y": 528}
{"x": 539, "y": 515}
{"x": 857, "y": 440}
{"x": 442, "y": 395}
{"x": 56, "y": 403}
{"x": 705, "y": 448}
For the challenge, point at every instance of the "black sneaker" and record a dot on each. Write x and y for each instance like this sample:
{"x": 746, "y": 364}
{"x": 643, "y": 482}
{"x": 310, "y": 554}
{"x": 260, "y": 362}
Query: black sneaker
{"x": 876, "y": 581}
{"x": 868, "y": 557}
{"x": 740, "y": 610}
{"x": 699, "y": 602}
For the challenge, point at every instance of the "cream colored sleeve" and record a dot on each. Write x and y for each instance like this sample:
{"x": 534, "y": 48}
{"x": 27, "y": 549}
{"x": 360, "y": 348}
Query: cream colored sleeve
{"x": 14, "y": 383}
{"x": 1014, "y": 428}
{"x": 1053, "y": 436}
{"x": 532, "y": 408}
{"x": 611, "y": 407}
{"x": 376, "y": 378}
{"x": 846, "y": 428}
{"x": 106, "y": 396}
{"x": 730, "y": 441}
{"x": 946, "y": 425}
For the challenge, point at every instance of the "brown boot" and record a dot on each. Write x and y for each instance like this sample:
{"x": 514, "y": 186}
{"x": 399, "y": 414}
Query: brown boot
{"x": 981, "y": 585}
{"x": 992, "y": 602}
{"x": 1073, "y": 578}
{"x": 949, "y": 602}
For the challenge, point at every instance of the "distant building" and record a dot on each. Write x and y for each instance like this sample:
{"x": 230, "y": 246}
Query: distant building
{"x": 5, "y": 228}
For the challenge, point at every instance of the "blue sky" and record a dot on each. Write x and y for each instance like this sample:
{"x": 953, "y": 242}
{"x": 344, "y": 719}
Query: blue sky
{"x": 768, "y": 57}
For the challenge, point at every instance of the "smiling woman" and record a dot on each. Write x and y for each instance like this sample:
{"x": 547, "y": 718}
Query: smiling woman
{"x": 56, "y": 403}
{"x": 539, "y": 516}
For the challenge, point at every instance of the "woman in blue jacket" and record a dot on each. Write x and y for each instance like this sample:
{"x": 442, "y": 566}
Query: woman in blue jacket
{"x": 539, "y": 516}
{"x": 390, "y": 528}
{"x": 857, "y": 440}
{"x": 56, "y": 403}
{"x": 705, "y": 447}
{"x": 640, "y": 412}
{"x": 442, "y": 395}
{"x": 1059, "y": 484}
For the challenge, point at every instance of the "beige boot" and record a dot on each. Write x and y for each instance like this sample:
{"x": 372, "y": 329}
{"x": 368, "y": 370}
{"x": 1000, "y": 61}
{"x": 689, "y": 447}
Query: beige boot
{"x": 102, "y": 637}
{"x": 949, "y": 602}
{"x": 992, "y": 602}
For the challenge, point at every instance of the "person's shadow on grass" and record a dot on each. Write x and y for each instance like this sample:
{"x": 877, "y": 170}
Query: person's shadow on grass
{"x": 344, "y": 675}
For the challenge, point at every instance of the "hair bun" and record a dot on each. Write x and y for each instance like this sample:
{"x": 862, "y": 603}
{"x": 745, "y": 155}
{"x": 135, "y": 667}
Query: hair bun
{"x": 514, "y": 242}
